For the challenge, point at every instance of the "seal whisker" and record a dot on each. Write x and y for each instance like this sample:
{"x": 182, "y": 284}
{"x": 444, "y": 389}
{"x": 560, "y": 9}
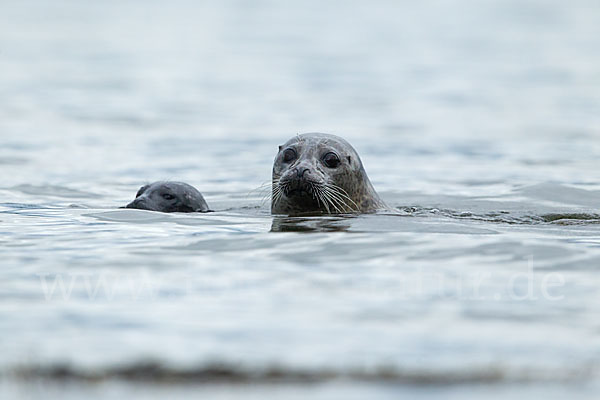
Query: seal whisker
{"x": 313, "y": 190}
{"x": 264, "y": 190}
{"x": 342, "y": 198}
{"x": 262, "y": 187}
{"x": 335, "y": 196}
{"x": 335, "y": 202}
{"x": 266, "y": 197}
{"x": 323, "y": 198}
{"x": 275, "y": 194}
{"x": 343, "y": 194}
{"x": 343, "y": 207}
{"x": 275, "y": 190}
{"x": 327, "y": 195}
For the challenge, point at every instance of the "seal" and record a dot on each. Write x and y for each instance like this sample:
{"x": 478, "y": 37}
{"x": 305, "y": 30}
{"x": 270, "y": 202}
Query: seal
{"x": 169, "y": 197}
{"x": 319, "y": 173}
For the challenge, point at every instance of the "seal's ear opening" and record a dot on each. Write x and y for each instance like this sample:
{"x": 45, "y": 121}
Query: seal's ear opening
{"x": 349, "y": 159}
{"x": 280, "y": 147}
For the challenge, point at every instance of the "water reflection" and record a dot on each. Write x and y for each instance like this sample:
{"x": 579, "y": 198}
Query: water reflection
{"x": 311, "y": 224}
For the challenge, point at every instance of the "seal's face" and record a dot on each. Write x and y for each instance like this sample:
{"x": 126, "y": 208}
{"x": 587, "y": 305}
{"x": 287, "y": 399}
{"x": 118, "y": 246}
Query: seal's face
{"x": 319, "y": 173}
{"x": 169, "y": 197}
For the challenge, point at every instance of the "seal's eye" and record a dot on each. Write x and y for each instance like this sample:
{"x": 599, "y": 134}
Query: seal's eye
{"x": 289, "y": 155}
{"x": 142, "y": 190}
{"x": 331, "y": 160}
{"x": 168, "y": 196}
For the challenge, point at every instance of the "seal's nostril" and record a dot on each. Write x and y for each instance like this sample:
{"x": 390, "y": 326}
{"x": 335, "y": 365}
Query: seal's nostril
{"x": 136, "y": 203}
{"x": 300, "y": 171}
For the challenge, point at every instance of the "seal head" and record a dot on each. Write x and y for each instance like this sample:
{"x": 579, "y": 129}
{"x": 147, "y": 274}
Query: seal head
{"x": 169, "y": 197}
{"x": 319, "y": 173}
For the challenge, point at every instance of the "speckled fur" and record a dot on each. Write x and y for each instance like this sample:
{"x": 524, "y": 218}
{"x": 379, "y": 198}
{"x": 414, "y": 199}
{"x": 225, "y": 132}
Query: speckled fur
{"x": 349, "y": 176}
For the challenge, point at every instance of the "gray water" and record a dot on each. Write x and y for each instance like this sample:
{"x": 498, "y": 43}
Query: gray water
{"x": 478, "y": 121}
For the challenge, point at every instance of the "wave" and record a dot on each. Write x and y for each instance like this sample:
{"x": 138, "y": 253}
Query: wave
{"x": 505, "y": 217}
{"x": 234, "y": 373}
{"x": 53, "y": 191}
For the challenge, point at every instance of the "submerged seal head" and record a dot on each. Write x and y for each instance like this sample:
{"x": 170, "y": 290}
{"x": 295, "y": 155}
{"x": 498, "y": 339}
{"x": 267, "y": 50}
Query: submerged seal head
{"x": 169, "y": 197}
{"x": 318, "y": 173}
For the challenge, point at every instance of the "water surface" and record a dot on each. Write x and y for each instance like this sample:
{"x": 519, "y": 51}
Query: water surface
{"x": 478, "y": 123}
